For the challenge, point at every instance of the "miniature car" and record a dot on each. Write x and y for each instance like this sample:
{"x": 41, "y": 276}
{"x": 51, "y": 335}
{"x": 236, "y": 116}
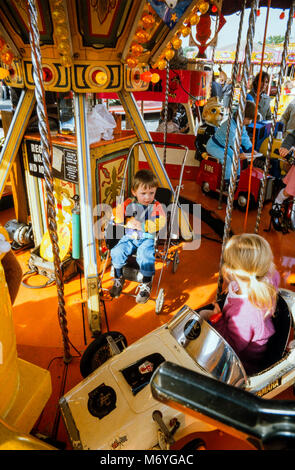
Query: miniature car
{"x": 113, "y": 407}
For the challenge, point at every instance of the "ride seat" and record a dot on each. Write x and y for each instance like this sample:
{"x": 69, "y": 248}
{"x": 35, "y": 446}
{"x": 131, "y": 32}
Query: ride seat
{"x": 277, "y": 343}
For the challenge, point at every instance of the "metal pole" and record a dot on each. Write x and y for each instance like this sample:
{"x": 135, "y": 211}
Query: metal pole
{"x": 46, "y": 160}
{"x": 234, "y": 78}
{"x": 271, "y": 135}
{"x": 166, "y": 111}
{"x": 238, "y": 136}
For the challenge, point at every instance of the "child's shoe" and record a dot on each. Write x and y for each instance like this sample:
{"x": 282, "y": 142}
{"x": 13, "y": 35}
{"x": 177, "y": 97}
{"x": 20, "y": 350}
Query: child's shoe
{"x": 276, "y": 210}
{"x": 116, "y": 290}
{"x": 144, "y": 292}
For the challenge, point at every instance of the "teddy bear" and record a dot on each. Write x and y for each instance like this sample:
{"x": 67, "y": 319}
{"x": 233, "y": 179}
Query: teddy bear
{"x": 212, "y": 116}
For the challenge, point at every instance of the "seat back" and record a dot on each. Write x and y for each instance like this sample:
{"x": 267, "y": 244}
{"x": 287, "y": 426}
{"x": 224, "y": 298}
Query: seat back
{"x": 164, "y": 196}
{"x": 277, "y": 343}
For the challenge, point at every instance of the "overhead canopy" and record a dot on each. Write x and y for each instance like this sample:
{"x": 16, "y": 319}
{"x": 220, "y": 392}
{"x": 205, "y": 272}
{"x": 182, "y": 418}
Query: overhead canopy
{"x": 232, "y": 6}
{"x": 98, "y": 46}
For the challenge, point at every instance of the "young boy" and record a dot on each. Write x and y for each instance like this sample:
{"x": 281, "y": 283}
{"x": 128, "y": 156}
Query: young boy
{"x": 144, "y": 217}
{"x": 216, "y": 144}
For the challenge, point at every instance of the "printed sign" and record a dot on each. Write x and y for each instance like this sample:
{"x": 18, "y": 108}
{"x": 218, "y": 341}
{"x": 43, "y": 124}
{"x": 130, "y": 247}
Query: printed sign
{"x": 64, "y": 162}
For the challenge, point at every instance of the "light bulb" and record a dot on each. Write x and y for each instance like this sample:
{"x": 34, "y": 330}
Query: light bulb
{"x": 161, "y": 64}
{"x": 176, "y": 42}
{"x": 194, "y": 19}
{"x": 99, "y": 77}
{"x": 155, "y": 78}
{"x": 61, "y": 32}
{"x": 169, "y": 54}
{"x": 131, "y": 62}
{"x": 7, "y": 57}
{"x": 203, "y": 7}
{"x": 148, "y": 21}
{"x": 136, "y": 49}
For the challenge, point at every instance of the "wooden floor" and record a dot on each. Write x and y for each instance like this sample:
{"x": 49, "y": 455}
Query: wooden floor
{"x": 37, "y": 328}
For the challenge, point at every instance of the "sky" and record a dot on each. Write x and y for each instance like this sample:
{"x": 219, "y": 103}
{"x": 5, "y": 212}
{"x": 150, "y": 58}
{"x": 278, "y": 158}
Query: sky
{"x": 276, "y": 27}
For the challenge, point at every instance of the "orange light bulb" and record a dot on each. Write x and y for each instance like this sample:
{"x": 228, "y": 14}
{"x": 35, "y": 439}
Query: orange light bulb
{"x": 194, "y": 19}
{"x": 136, "y": 49}
{"x": 185, "y": 31}
{"x": 155, "y": 78}
{"x": 176, "y": 42}
{"x": 161, "y": 64}
{"x": 142, "y": 36}
{"x": 58, "y": 15}
{"x": 169, "y": 54}
{"x": 148, "y": 21}
{"x": 64, "y": 47}
{"x": 131, "y": 62}
{"x": 203, "y": 7}
{"x": 99, "y": 77}
{"x": 7, "y": 57}
{"x": 4, "y": 73}
{"x": 146, "y": 76}
{"x": 62, "y": 32}
{"x": 66, "y": 61}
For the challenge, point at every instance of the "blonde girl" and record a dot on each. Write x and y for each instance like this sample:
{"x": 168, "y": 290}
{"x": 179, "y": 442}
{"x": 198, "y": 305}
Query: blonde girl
{"x": 253, "y": 281}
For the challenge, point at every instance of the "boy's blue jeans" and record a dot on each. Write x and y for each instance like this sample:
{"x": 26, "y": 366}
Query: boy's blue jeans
{"x": 145, "y": 255}
{"x": 229, "y": 162}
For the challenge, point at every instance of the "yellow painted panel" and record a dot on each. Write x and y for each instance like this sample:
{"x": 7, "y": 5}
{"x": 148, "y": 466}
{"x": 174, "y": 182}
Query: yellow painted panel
{"x": 83, "y": 74}
{"x": 61, "y": 76}
{"x": 15, "y": 134}
{"x": 12, "y": 439}
{"x": 16, "y": 78}
{"x": 34, "y": 392}
{"x": 24, "y": 387}
{"x": 9, "y": 373}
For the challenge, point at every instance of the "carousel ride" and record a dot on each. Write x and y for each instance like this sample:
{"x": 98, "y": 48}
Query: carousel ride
{"x": 60, "y": 58}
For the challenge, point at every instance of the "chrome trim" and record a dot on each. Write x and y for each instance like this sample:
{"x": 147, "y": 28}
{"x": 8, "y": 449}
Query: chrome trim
{"x": 208, "y": 349}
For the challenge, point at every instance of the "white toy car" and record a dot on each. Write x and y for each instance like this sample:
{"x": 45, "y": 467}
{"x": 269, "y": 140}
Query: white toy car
{"x": 113, "y": 407}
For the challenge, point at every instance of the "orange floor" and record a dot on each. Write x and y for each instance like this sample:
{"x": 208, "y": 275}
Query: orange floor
{"x": 38, "y": 332}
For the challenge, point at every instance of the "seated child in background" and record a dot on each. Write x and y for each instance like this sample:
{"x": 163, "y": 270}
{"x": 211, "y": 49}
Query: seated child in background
{"x": 143, "y": 217}
{"x": 246, "y": 322}
{"x": 172, "y": 126}
{"x": 216, "y": 144}
{"x": 289, "y": 179}
{"x": 175, "y": 124}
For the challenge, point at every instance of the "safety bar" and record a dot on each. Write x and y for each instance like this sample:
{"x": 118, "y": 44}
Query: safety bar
{"x": 151, "y": 142}
{"x": 267, "y": 424}
{"x": 166, "y": 144}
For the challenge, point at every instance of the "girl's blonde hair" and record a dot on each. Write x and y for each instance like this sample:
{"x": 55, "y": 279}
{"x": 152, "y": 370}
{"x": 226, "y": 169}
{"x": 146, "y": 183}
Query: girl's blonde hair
{"x": 248, "y": 257}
